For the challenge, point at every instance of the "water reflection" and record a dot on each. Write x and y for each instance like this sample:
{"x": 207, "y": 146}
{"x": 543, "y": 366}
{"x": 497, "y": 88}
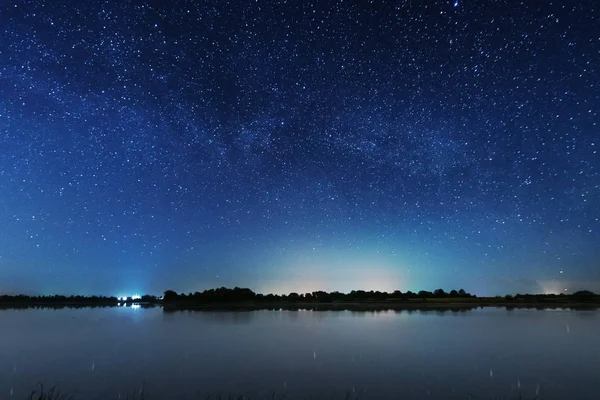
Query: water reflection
{"x": 75, "y": 306}
{"x": 97, "y": 353}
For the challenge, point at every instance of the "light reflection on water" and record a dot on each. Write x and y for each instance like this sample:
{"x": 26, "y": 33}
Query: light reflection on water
{"x": 101, "y": 353}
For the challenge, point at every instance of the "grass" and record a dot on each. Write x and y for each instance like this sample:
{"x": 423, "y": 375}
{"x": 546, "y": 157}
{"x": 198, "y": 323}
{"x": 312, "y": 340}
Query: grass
{"x": 54, "y": 394}
{"x": 50, "y": 394}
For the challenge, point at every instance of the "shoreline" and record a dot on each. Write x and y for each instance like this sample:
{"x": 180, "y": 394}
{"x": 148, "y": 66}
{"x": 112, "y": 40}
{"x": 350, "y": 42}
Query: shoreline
{"x": 421, "y": 305}
{"x": 378, "y": 306}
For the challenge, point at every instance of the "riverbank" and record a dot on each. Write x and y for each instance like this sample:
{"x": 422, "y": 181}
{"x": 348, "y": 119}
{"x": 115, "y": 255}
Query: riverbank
{"x": 378, "y": 306}
{"x": 412, "y": 305}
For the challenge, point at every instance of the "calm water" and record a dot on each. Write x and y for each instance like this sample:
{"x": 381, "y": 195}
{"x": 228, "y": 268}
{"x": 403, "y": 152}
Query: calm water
{"x": 107, "y": 353}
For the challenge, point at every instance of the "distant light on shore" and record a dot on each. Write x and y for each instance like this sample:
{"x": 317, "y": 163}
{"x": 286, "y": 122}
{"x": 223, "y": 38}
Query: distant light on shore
{"x": 134, "y": 297}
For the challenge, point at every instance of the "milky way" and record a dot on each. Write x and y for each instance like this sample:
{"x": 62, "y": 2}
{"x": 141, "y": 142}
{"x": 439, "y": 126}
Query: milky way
{"x": 299, "y": 146}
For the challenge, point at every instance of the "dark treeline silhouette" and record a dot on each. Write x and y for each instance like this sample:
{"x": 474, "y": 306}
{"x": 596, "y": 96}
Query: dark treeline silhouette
{"x": 580, "y": 296}
{"x": 240, "y": 295}
{"x": 243, "y": 295}
{"x": 58, "y": 299}
{"x": 239, "y": 298}
{"x": 72, "y": 301}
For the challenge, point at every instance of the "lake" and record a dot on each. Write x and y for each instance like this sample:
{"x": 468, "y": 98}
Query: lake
{"x": 111, "y": 353}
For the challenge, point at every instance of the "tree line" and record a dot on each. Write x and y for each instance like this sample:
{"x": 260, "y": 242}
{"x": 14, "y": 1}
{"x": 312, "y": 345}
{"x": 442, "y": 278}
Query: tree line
{"x": 58, "y": 299}
{"x": 73, "y": 299}
{"x": 238, "y": 294}
{"x": 241, "y": 295}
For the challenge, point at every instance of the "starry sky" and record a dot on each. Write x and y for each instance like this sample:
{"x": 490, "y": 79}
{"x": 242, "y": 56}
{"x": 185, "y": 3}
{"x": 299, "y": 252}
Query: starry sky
{"x": 299, "y": 146}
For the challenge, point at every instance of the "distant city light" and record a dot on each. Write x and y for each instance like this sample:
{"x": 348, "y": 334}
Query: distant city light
{"x": 135, "y": 306}
{"x": 134, "y": 297}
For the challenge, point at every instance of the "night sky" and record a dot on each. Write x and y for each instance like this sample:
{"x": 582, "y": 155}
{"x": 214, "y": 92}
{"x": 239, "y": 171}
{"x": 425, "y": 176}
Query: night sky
{"x": 299, "y": 146}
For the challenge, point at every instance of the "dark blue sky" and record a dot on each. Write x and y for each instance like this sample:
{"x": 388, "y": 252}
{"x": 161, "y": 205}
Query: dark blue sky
{"x": 299, "y": 146}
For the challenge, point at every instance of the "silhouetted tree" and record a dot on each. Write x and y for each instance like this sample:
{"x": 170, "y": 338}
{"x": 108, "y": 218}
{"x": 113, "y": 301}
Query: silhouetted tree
{"x": 170, "y": 295}
{"x": 583, "y": 295}
{"x": 293, "y": 297}
{"x": 321, "y": 296}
